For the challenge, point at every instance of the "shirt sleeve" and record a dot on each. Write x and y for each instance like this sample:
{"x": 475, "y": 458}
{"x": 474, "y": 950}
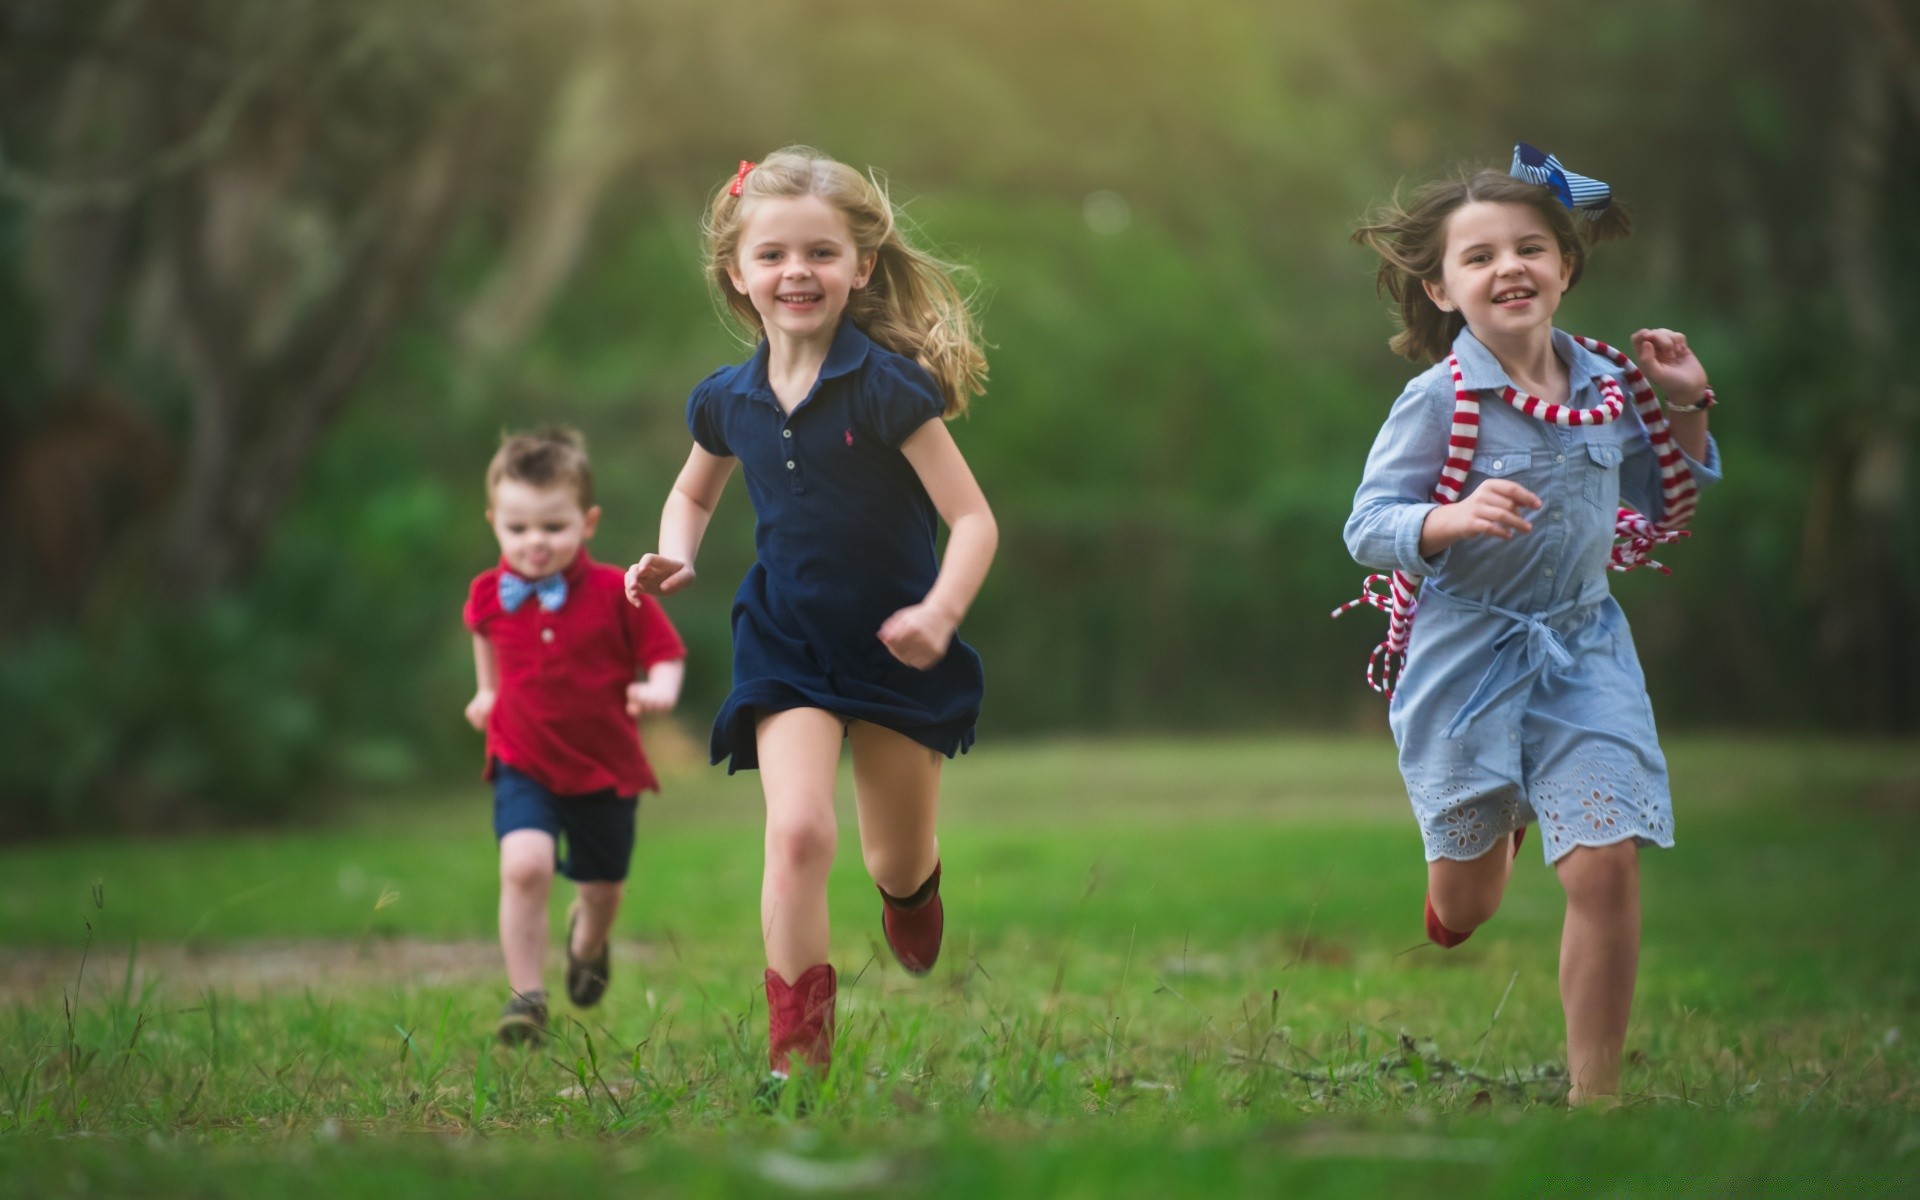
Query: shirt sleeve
{"x": 652, "y": 635}
{"x": 704, "y": 417}
{"x": 483, "y": 601}
{"x": 1640, "y": 472}
{"x": 897, "y": 397}
{"x": 1396, "y": 490}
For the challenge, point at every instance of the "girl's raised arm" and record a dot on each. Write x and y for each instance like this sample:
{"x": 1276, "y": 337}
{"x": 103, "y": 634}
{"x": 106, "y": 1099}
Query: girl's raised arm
{"x": 918, "y": 634}
{"x": 683, "y": 523}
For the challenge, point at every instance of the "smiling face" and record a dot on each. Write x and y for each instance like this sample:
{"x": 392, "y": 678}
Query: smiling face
{"x": 541, "y": 529}
{"x": 1503, "y": 270}
{"x": 797, "y": 264}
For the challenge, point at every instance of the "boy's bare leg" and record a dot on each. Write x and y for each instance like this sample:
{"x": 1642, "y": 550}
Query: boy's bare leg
{"x": 1599, "y": 959}
{"x": 799, "y": 756}
{"x": 599, "y": 905}
{"x": 526, "y": 878}
{"x": 896, "y": 789}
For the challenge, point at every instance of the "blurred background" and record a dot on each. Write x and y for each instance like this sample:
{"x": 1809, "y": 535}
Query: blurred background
{"x": 274, "y": 278}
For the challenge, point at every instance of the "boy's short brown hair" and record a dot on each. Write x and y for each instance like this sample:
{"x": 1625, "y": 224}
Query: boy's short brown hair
{"x": 551, "y": 456}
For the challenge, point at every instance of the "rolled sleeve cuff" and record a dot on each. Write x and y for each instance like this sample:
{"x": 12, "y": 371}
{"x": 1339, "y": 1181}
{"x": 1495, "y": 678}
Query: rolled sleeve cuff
{"x": 1705, "y": 474}
{"x": 1406, "y": 543}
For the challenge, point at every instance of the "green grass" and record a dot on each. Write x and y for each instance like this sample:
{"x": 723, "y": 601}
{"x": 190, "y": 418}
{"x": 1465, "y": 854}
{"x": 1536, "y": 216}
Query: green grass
{"x": 1171, "y": 968}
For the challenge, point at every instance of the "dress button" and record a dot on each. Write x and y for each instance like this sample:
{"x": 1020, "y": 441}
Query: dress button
{"x": 546, "y": 635}
{"x": 789, "y": 464}
{"x": 786, "y": 433}
{"x": 1559, "y": 458}
{"x": 1499, "y": 464}
{"x": 1548, "y": 572}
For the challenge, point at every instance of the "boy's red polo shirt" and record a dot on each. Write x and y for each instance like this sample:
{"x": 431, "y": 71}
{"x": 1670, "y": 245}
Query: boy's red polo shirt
{"x": 560, "y": 715}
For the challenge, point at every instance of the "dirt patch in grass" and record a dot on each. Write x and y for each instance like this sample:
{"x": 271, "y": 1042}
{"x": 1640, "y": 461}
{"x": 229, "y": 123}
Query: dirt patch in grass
{"x": 248, "y": 969}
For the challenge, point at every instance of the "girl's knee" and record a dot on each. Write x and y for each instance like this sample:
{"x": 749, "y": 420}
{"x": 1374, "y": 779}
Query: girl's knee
{"x": 802, "y": 842}
{"x": 1465, "y": 910}
{"x": 1602, "y": 876}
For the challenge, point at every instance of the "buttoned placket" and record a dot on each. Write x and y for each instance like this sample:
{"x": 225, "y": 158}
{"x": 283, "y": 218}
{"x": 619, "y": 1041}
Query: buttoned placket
{"x": 789, "y": 444}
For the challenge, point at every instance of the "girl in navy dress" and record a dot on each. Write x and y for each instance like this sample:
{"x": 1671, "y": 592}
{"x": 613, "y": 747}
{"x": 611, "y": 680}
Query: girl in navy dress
{"x": 843, "y": 629}
{"x": 1493, "y": 493}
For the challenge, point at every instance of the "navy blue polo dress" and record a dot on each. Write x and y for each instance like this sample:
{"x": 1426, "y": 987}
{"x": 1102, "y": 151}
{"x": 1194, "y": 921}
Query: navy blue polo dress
{"x": 845, "y": 535}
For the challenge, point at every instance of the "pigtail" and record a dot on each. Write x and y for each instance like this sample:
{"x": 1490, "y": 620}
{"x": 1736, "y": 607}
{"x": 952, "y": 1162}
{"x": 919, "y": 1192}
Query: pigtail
{"x": 913, "y": 305}
{"x": 1612, "y": 224}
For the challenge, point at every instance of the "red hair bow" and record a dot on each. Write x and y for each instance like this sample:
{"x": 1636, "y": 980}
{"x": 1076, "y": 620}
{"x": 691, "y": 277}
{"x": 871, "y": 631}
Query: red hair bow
{"x": 740, "y": 180}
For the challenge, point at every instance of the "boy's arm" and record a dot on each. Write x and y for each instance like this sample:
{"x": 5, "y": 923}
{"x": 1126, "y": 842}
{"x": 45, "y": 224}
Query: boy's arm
{"x": 486, "y": 674}
{"x": 658, "y": 690}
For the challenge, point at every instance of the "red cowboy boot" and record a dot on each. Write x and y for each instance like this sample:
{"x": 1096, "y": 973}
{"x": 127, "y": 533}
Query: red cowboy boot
{"x": 1446, "y": 938}
{"x": 913, "y": 926}
{"x": 800, "y": 1018}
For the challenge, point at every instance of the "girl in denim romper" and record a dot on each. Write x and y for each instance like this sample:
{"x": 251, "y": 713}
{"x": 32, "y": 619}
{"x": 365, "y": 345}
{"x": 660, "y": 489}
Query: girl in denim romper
{"x": 1521, "y": 700}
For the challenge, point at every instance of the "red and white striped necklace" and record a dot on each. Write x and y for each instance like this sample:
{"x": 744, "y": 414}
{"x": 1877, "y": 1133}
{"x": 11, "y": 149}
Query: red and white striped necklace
{"x": 1635, "y": 535}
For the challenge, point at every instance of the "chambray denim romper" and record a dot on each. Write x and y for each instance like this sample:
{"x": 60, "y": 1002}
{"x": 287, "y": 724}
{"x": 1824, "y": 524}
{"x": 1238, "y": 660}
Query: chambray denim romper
{"x": 1522, "y": 699}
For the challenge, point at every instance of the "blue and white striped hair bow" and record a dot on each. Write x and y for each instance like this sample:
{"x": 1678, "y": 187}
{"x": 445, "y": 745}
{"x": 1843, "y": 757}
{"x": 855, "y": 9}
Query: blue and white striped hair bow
{"x": 1577, "y": 192}
{"x": 514, "y": 591}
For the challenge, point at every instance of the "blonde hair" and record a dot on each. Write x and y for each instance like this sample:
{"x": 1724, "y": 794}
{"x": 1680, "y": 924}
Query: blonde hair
{"x": 1411, "y": 240}
{"x": 551, "y": 456}
{"x": 911, "y": 304}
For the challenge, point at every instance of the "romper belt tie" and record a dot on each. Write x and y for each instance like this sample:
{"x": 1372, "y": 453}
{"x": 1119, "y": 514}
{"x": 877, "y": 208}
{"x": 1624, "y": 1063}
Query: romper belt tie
{"x": 1527, "y": 649}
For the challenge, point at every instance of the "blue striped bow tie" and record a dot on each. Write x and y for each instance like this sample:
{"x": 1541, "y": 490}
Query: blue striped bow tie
{"x": 1577, "y": 192}
{"x": 514, "y": 591}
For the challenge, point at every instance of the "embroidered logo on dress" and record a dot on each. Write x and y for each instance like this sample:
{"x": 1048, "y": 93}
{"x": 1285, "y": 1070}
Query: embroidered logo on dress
{"x": 849, "y": 437}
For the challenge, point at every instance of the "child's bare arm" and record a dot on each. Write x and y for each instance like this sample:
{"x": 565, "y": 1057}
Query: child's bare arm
{"x": 659, "y": 691}
{"x": 683, "y": 523}
{"x": 486, "y": 674}
{"x": 919, "y": 634}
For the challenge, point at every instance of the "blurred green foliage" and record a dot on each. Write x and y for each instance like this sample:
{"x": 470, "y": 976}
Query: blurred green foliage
{"x": 1188, "y": 361}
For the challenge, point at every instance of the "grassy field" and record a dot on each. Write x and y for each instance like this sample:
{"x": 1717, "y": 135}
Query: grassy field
{"x": 1172, "y": 968}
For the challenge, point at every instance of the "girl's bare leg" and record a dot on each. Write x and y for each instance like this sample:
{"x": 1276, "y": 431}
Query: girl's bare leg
{"x": 1599, "y": 960}
{"x": 1466, "y": 893}
{"x": 896, "y": 788}
{"x": 799, "y": 756}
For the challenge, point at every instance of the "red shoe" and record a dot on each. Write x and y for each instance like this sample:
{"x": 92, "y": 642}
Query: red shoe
{"x": 800, "y": 1018}
{"x": 913, "y": 926}
{"x": 1446, "y": 938}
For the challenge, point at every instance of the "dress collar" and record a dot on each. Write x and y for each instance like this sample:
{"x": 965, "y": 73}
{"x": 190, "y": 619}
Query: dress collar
{"x": 1481, "y": 371}
{"x": 849, "y": 350}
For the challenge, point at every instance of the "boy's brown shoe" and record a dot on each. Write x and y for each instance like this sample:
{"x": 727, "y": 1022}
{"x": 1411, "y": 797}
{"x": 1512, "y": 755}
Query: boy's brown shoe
{"x": 523, "y": 1019}
{"x": 586, "y": 977}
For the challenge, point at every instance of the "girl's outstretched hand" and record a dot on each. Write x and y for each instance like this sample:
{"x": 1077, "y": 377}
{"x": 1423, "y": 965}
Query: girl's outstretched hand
{"x": 918, "y": 635}
{"x": 655, "y": 575}
{"x": 1664, "y": 355}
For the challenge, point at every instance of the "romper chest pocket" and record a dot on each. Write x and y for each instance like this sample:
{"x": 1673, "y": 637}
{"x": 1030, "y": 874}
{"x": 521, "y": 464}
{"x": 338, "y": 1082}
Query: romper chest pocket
{"x": 1502, "y": 464}
{"x": 1602, "y": 484}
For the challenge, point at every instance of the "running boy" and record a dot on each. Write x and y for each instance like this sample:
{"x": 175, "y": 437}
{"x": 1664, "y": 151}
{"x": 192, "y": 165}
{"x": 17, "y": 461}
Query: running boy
{"x": 565, "y": 665}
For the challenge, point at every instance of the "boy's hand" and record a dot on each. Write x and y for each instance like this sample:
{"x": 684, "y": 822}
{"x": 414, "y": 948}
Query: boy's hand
{"x": 656, "y": 575}
{"x": 918, "y": 635}
{"x": 479, "y": 708}
{"x": 1664, "y": 355}
{"x": 644, "y": 698}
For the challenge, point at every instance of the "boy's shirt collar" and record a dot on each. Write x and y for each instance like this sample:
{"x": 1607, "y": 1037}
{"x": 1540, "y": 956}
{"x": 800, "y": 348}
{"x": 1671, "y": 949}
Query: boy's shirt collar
{"x": 552, "y": 590}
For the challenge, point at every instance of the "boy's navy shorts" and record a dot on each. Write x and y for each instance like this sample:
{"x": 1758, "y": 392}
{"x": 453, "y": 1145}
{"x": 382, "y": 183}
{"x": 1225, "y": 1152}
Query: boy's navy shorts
{"x": 592, "y": 834}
